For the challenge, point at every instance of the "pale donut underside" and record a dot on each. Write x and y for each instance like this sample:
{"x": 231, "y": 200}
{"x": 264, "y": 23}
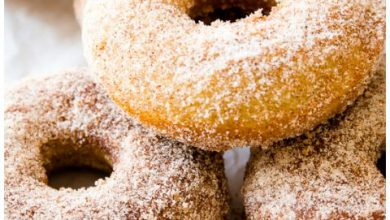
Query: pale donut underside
{"x": 251, "y": 82}
{"x": 330, "y": 173}
{"x": 67, "y": 120}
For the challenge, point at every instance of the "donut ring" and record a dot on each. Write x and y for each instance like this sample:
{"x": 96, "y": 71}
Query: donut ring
{"x": 63, "y": 120}
{"x": 251, "y": 82}
{"x": 329, "y": 173}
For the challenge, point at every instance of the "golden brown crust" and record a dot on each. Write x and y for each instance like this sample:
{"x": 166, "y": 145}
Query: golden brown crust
{"x": 329, "y": 173}
{"x": 251, "y": 82}
{"x": 153, "y": 177}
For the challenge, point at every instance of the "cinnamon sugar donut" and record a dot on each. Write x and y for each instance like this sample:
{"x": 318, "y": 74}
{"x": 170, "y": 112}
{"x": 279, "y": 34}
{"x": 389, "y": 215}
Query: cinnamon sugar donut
{"x": 329, "y": 173}
{"x": 251, "y": 82}
{"x": 66, "y": 120}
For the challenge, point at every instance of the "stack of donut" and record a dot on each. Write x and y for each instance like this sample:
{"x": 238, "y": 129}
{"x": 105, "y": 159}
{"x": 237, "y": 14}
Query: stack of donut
{"x": 328, "y": 173}
{"x": 299, "y": 81}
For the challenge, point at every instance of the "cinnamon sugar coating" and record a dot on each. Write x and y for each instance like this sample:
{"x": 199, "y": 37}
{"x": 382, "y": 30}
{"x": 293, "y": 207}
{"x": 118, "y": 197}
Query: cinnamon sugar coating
{"x": 329, "y": 173}
{"x": 252, "y": 82}
{"x": 66, "y": 120}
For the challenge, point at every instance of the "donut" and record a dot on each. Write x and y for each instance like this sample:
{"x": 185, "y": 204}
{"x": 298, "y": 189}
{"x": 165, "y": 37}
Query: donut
{"x": 67, "y": 120}
{"x": 329, "y": 173}
{"x": 251, "y": 82}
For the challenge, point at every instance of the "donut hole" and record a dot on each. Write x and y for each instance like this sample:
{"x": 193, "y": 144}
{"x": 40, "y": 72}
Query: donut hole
{"x": 207, "y": 11}
{"x": 381, "y": 164}
{"x": 75, "y": 164}
{"x": 75, "y": 177}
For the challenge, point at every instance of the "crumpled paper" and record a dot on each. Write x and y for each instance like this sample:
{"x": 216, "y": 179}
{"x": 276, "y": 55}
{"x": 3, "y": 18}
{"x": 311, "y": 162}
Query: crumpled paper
{"x": 43, "y": 37}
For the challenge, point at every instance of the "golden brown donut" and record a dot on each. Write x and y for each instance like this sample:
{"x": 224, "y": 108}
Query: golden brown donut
{"x": 251, "y": 82}
{"x": 67, "y": 120}
{"x": 329, "y": 173}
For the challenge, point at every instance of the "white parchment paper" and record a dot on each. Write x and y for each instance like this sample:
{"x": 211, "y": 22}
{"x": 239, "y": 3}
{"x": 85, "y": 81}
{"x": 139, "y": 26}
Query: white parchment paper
{"x": 42, "y": 37}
